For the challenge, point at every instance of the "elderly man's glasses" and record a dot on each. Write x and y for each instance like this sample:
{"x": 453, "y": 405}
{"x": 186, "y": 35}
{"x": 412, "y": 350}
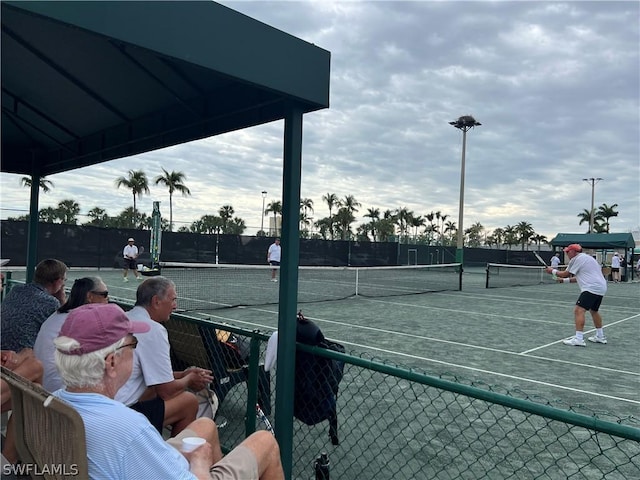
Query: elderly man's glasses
{"x": 104, "y": 294}
{"x": 133, "y": 345}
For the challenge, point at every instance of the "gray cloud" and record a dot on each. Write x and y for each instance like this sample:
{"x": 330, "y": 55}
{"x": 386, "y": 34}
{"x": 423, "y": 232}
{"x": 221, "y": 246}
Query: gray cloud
{"x": 555, "y": 86}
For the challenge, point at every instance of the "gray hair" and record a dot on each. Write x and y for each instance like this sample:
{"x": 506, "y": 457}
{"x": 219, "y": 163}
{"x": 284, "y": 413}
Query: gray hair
{"x": 82, "y": 371}
{"x": 154, "y": 286}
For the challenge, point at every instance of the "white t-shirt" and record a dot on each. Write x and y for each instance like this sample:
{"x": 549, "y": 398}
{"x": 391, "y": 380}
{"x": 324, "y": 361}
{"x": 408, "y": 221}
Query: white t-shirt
{"x": 555, "y": 261}
{"x": 130, "y": 251}
{"x": 588, "y": 274}
{"x": 615, "y": 261}
{"x": 151, "y": 360}
{"x": 274, "y": 253}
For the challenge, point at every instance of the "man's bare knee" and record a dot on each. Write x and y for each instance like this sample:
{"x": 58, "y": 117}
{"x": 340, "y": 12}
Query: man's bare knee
{"x": 266, "y": 450}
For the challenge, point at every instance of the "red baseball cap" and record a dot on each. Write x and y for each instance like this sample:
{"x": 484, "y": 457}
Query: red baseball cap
{"x": 98, "y": 325}
{"x": 576, "y": 247}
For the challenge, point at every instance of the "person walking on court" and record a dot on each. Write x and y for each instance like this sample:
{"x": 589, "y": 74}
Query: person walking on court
{"x": 273, "y": 257}
{"x": 130, "y": 254}
{"x": 555, "y": 261}
{"x": 587, "y": 273}
{"x": 615, "y": 267}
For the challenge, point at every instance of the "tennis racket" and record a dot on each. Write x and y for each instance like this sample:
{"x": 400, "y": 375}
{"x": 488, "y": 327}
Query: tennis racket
{"x": 265, "y": 421}
{"x": 540, "y": 259}
{"x": 555, "y": 277}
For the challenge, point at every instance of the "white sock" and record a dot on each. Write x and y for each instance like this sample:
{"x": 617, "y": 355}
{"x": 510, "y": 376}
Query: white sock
{"x": 579, "y": 335}
{"x": 599, "y": 333}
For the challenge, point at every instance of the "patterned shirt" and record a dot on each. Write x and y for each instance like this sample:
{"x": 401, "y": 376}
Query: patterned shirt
{"x": 23, "y": 312}
{"x": 122, "y": 444}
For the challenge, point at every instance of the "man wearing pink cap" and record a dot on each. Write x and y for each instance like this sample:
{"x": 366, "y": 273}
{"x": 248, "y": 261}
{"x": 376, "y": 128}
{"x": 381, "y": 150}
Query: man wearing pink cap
{"x": 94, "y": 354}
{"x": 585, "y": 271}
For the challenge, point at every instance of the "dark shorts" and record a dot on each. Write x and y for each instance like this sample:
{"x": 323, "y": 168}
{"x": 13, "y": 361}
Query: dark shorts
{"x": 274, "y": 263}
{"x": 153, "y": 410}
{"x": 615, "y": 269}
{"x": 589, "y": 301}
{"x": 130, "y": 263}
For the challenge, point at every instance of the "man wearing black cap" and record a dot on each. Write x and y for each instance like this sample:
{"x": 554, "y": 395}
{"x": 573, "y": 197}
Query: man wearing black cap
{"x": 585, "y": 271}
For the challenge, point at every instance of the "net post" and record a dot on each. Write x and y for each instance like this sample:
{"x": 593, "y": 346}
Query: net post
{"x": 357, "y": 279}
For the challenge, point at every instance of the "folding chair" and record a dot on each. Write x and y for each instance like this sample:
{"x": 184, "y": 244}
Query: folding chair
{"x": 50, "y": 436}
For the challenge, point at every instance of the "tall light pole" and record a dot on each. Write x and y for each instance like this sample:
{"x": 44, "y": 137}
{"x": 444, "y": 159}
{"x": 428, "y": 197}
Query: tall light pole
{"x": 264, "y": 195}
{"x": 464, "y": 123}
{"x": 593, "y": 182}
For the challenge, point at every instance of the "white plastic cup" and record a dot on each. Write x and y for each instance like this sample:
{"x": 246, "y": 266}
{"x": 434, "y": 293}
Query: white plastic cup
{"x": 140, "y": 266}
{"x": 189, "y": 444}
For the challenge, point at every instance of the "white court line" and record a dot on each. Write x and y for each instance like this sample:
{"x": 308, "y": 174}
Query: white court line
{"x": 588, "y": 331}
{"x": 513, "y": 377}
{"x": 438, "y": 340}
{"x": 559, "y": 303}
{"x": 467, "y": 312}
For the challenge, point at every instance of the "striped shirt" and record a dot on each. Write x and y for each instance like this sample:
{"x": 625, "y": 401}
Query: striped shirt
{"x": 122, "y": 444}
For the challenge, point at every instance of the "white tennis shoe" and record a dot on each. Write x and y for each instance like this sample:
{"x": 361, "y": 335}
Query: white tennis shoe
{"x": 575, "y": 342}
{"x": 596, "y": 339}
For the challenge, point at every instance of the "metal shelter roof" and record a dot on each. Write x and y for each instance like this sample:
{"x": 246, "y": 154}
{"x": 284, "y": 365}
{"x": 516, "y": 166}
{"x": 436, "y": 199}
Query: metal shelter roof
{"x": 595, "y": 240}
{"x": 86, "y": 82}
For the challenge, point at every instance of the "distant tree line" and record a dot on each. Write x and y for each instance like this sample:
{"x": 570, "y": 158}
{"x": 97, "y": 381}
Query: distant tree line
{"x": 401, "y": 224}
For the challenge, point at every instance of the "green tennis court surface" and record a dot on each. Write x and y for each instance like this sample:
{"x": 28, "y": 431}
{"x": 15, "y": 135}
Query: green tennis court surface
{"x": 503, "y": 336}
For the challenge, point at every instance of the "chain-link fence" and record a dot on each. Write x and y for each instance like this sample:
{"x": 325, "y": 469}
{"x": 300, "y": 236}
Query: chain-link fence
{"x": 398, "y": 423}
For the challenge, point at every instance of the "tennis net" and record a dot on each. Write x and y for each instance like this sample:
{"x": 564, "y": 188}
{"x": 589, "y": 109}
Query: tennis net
{"x": 503, "y": 275}
{"x": 214, "y": 286}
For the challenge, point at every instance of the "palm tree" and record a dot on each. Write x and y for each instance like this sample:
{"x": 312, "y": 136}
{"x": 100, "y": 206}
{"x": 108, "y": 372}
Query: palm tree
{"x": 416, "y": 222}
{"x": 226, "y": 214}
{"x": 442, "y": 219}
{"x": 374, "y": 215}
{"x": 474, "y": 234}
{"x": 331, "y": 199}
{"x": 351, "y": 203}
{"x": 539, "y": 239}
{"x": 450, "y": 227}
{"x": 48, "y": 215}
{"x": 274, "y": 207}
{"x": 344, "y": 218}
{"x": 498, "y": 236}
{"x": 385, "y": 226}
{"x": 137, "y": 182}
{"x": 605, "y": 212}
{"x": 510, "y": 236}
{"x": 68, "y": 211}
{"x": 174, "y": 181}
{"x": 324, "y": 226}
{"x": 98, "y": 216}
{"x": 45, "y": 184}
{"x": 585, "y": 217}
{"x": 305, "y": 204}
{"x": 525, "y": 232}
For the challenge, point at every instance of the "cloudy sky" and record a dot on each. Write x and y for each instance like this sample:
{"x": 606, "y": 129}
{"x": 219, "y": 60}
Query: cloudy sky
{"x": 554, "y": 84}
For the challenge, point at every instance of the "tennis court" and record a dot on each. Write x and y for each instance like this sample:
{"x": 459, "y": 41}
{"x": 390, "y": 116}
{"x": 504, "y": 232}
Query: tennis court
{"x": 502, "y": 336}
{"x": 506, "y": 340}
{"x": 507, "y": 336}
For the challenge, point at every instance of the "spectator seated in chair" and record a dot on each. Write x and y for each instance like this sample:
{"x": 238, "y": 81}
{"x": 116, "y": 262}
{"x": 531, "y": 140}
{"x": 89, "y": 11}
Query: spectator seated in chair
{"x": 95, "y": 356}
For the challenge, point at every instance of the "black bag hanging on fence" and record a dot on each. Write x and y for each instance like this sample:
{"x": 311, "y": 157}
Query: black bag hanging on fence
{"x": 316, "y": 379}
